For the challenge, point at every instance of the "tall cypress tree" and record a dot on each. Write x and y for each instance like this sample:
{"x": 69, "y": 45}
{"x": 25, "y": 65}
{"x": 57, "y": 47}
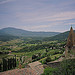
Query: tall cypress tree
{"x": 4, "y": 64}
{"x": 8, "y": 64}
{"x": 13, "y": 63}
{"x": 15, "y": 60}
{"x": 0, "y": 67}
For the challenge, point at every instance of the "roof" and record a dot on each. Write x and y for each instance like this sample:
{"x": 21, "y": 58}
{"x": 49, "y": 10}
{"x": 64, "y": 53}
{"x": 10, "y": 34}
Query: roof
{"x": 23, "y": 71}
{"x": 37, "y": 67}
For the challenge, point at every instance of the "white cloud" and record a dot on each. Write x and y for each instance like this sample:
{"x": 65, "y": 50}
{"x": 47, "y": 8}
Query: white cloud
{"x": 5, "y": 1}
{"x": 38, "y": 27}
{"x": 35, "y": 17}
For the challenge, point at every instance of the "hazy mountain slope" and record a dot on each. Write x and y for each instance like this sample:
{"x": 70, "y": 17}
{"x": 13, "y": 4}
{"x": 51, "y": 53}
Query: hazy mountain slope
{"x": 61, "y": 36}
{"x": 20, "y": 32}
{"x": 7, "y": 37}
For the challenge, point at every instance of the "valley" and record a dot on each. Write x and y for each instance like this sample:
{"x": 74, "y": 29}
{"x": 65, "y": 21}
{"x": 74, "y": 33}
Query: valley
{"x": 31, "y": 50}
{"x": 19, "y": 52}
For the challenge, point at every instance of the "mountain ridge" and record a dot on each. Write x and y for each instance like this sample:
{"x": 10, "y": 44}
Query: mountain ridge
{"x": 61, "y": 36}
{"x": 20, "y": 32}
{"x": 12, "y": 33}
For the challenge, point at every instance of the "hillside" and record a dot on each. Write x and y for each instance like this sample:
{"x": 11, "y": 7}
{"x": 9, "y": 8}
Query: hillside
{"x": 11, "y": 33}
{"x": 61, "y": 36}
{"x": 8, "y": 37}
{"x": 20, "y": 32}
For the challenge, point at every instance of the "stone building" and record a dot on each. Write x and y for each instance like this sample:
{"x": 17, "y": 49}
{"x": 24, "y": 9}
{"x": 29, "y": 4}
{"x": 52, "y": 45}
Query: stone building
{"x": 70, "y": 46}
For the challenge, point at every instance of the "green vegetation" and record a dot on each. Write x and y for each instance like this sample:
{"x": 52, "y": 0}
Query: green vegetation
{"x": 61, "y": 36}
{"x": 7, "y": 64}
{"x": 50, "y": 58}
{"x": 10, "y": 33}
{"x": 49, "y": 71}
{"x": 27, "y": 51}
{"x": 67, "y": 68}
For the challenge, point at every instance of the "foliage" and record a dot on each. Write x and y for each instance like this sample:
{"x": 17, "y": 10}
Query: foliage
{"x": 52, "y": 58}
{"x": 34, "y": 56}
{"x": 60, "y": 36}
{"x": 43, "y": 61}
{"x": 67, "y": 67}
{"x": 31, "y": 48}
{"x": 49, "y": 71}
{"x": 7, "y": 64}
{"x": 7, "y": 34}
{"x": 48, "y": 59}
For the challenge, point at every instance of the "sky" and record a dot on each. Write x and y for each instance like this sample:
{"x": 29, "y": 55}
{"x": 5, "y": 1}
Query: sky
{"x": 38, "y": 15}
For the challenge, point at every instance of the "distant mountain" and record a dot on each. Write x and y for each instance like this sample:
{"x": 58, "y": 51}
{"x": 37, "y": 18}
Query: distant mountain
{"x": 61, "y": 36}
{"x": 7, "y": 37}
{"x": 11, "y": 33}
{"x": 20, "y": 32}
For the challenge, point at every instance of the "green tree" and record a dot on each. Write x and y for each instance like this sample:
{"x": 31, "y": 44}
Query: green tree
{"x": 48, "y": 59}
{"x": 0, "y": 67}
{"x": 4, "y": 64}
{"x": 8, "y": 64}
{"x": 67, "y": 67}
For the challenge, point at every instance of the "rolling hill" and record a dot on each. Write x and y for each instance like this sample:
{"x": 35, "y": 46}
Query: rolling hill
{"x": 10, "y": 33}
{"x": 61, "y": 36}
{"x": 20, "y": 32}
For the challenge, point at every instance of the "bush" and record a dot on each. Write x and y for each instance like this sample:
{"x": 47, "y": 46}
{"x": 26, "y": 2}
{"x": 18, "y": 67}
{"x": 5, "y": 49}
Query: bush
{"x": 48, "y": 59}
{"x": 49, "y": 71}
{"x": 34, "y": 57}
{"x": 43, "y": 61}
{"x": 44, "y": 55}
{"x": 67, "y": 67}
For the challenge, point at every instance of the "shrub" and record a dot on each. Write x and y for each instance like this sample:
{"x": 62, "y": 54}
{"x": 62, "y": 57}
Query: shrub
{"x": 44, "y": 55}
{"x": 43, "y": 61}
{"x": 49, "y": 71}
{"x": 48, "y": 59}
{"x": 67, "y": 67}
{"x": 34, "y": 57}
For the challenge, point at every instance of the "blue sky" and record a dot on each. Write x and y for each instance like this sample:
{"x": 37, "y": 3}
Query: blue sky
{"x": 38, "y": 15}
